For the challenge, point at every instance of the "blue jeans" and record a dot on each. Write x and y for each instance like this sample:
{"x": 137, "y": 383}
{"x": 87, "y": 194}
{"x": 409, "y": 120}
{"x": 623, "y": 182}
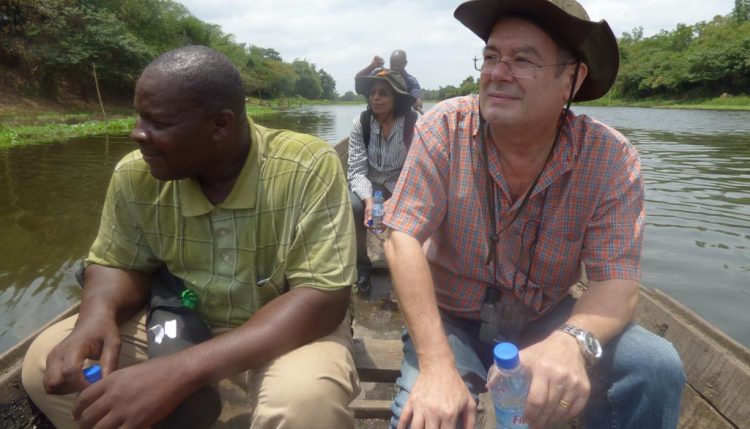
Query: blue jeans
{"x": 636, "y": 384}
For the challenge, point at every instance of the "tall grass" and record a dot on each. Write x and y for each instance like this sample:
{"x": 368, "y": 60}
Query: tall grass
{"x": 56, "y": 127}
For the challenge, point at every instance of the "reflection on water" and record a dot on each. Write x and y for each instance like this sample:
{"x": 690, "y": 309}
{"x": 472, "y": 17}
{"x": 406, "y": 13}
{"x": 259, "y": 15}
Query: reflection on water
{"x": 330, "y": 123}
{"x": 50, "y": 198}
{"x": 696, "y": 165}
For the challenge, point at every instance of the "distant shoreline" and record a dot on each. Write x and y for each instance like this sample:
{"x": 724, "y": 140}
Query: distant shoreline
{"x": 738, "y": 103}
{"x": 20, "y": 127}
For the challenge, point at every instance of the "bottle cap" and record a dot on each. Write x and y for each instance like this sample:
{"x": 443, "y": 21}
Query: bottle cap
{"x": 189, "y": 299}
{"x": 93, "y": 373}
{"x": 506, "y": 355}
{"x": 378, "y": 194}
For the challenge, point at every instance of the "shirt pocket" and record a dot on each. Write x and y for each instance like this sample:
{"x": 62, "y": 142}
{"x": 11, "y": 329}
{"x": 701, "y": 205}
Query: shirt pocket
{"x": 558, "y": 254}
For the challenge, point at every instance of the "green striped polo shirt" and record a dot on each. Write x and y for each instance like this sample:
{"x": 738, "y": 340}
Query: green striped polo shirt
{"x": 286, "y": 223}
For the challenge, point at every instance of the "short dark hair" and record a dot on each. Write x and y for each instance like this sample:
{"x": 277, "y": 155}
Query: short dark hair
{"x": 207, "y": 77}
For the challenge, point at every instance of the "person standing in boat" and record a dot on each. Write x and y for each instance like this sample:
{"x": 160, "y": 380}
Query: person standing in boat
{"x": 504, "y": 197}
{"x": 256, "y": 222}
{"x": 397, "y": 64}
{"x": 378, "y": 145}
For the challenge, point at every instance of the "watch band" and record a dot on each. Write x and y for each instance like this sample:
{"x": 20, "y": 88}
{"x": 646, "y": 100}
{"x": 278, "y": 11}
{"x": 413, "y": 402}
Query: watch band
{"x": 572, "y": 330}
{"x": 589, "y": 344}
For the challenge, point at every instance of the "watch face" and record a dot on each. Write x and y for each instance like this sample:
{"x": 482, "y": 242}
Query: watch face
{"x": 593, "y": 346}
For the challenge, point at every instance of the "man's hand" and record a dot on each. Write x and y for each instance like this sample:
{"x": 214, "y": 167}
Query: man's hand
{"x": 89, "y": 340}
{"x": 439, "y": 399}
{"x": 110, "y": 296}
{"x": 558, "y": 378}
{"x": 377, "y": 61}
{"x": 134, "y": 397}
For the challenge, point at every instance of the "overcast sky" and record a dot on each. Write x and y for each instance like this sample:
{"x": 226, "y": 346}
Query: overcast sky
{"x": 341, "y": 36}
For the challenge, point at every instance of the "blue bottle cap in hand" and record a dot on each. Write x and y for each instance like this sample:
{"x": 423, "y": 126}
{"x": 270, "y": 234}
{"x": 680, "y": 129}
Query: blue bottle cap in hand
{"x": 93, "y": 373}
{"x": 506, "y": 355}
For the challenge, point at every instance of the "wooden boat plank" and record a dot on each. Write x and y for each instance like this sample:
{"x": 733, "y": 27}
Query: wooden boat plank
{"x": 378, "y": 360}
{"x": 697, "y": 413}
{"x": 371, "y": 408}
{"x": 717, "y": 374}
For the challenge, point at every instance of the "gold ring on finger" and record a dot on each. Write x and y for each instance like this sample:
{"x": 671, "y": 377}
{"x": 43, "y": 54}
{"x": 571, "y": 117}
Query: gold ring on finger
{"x": 564, "y": 404}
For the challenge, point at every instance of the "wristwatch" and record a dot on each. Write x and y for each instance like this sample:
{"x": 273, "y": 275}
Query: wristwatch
{"x": 590, "y": 346}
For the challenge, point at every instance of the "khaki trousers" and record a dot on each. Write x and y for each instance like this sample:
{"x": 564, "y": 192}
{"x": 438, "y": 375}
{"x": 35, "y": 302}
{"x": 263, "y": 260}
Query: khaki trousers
{"x": 309, "y": 387}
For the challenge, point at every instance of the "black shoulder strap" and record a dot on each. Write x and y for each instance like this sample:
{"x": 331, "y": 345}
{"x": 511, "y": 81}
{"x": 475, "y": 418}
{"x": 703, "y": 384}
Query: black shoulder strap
{"x": 364, "y": 122}
{"x": 409, "y": 121}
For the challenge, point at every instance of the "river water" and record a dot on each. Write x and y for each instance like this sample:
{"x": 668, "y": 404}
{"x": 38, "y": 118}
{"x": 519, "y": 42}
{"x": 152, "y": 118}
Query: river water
{"x": 696, "y": 166}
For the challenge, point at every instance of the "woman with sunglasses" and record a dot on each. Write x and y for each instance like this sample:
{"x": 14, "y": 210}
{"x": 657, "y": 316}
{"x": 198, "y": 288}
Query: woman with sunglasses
{"x": 378, "y": 146}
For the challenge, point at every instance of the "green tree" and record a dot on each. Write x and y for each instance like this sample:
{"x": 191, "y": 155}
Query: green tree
{"x": 348, "y": 96}
{"x": 328, "y": 84}
{"x": 741, "y": 11}
{"x": 51, "y": 45}
{"x": 308, "y": 85}
{"x": 469, "y": 86}
{"x": 702, "y": 60}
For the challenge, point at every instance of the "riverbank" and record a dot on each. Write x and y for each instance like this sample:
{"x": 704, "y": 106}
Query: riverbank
{"x": 730, "y": 102}
{"x": 32, "y": 122}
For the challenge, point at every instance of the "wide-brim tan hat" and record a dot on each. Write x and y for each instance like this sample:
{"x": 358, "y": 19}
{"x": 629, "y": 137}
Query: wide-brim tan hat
{"x": 362, "y": 84}
{"x": 567, "y": 22}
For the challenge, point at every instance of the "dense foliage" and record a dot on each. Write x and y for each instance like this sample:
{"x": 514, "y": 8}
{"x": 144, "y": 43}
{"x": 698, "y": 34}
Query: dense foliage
{"x": 703, "y": 60}
{"x": 51, "y": 47}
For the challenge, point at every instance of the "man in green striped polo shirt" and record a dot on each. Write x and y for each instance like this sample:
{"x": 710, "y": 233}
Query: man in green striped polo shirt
{"x": 256, "y": 222}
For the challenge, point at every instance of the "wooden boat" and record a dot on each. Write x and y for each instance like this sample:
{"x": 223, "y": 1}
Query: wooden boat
{"x": 716, "y": 395}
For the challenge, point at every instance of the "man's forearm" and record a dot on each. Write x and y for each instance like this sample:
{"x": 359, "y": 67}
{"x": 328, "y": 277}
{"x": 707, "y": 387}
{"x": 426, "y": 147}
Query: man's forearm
{"x": 606, "y": 307}
{"x": 413, "y": 284}
{"x": 365, "y": 71}
{"x": 112, "y": 293}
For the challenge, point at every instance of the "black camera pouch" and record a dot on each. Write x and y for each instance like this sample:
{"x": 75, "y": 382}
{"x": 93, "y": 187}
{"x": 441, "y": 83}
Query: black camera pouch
{"x": 504, "y": 317}
{"x": 172, "y": 327}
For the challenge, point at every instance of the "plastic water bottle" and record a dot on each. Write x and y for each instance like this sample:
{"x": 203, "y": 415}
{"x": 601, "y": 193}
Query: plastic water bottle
{"x": 376, "y": 223}
{"x": 93, "y": 373}
{"x": 510, "y": 388}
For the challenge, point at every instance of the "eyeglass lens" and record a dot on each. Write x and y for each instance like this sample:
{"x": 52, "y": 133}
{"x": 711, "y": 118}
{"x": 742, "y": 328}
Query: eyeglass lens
{"x": 515, "y": 68}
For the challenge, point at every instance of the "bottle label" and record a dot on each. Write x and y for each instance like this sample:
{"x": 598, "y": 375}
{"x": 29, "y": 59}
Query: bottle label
{"x": 510, "y": 419}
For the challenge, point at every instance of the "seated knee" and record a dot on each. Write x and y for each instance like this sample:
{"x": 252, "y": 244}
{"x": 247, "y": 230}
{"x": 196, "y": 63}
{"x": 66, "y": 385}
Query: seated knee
{"x": 662, "y": 363}
{"x": 304, "y": 402}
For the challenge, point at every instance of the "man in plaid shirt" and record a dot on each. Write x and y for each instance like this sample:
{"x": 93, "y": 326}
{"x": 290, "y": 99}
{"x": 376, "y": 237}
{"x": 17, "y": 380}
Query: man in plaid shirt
{"x": 502, "y": 198}
{"x": 256, "y": 222}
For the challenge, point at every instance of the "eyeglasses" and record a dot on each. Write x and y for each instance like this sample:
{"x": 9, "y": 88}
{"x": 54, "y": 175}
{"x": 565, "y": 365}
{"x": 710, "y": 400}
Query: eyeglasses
{"x": 383, "y": 92}
{"x": 518, "y": 67}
